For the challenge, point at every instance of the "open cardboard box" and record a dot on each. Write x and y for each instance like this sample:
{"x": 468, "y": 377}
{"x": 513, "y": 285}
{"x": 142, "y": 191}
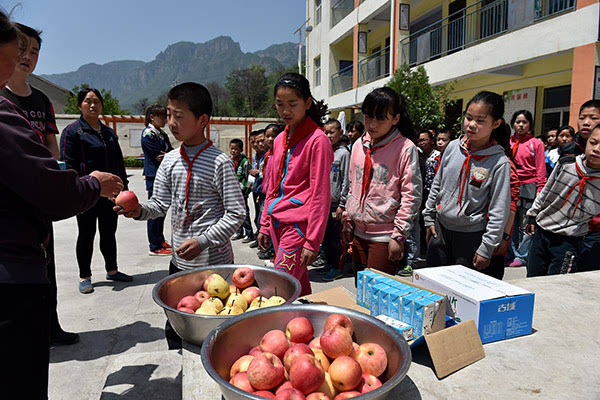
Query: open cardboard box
{"x": 450, "y": 348}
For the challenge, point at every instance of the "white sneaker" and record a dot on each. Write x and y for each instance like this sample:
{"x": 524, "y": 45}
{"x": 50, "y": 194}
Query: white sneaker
{"x": 269, "y": 264}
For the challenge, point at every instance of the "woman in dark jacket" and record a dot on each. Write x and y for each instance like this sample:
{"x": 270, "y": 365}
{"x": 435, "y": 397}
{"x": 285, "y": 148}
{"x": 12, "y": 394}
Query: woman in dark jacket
{"x": 87, "y": 145}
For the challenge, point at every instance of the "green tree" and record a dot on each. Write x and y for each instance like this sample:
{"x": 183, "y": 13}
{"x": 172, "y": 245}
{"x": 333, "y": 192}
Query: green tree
{"x": 426, "y": 103}
{"x": 111, "y": 104}
{"x": 220, "y": 99}
{"x": 141, "y": 105}
{"x": 248, "y": 91}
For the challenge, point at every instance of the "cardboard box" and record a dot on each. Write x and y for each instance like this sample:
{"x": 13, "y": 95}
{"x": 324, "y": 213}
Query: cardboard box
{"x": 500, "y": 310}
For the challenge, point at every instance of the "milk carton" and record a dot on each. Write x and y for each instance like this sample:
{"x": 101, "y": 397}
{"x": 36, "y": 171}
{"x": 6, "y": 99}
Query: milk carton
{"x": 404, "y": 329}
{"x": 384, "y": 300}
{"x": 395, "y": 301}
{"x": 361, "y": 285}
{"x": 376, "y": 292}
{"x": 424, "y": 312}
{"x": 370, "y": 281}
{"x": 408, "y": 305}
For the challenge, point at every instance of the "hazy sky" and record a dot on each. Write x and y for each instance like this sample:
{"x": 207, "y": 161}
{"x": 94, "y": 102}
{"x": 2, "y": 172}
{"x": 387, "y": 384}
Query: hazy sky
{"x": 77, "y": 32}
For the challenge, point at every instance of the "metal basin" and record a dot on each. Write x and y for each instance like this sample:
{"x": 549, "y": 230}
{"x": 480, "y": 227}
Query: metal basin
{"x": 194, "y": 328}
{"x": 236, "y": 337}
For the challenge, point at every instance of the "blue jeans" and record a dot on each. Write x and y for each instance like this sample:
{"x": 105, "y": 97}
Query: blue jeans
{"x": 246, "y": 228}
{"x": 519, "y": 247}
{"x": 155, "y": 231}
{"x": 590, "y": 252}
{"x": 412, "y": 246}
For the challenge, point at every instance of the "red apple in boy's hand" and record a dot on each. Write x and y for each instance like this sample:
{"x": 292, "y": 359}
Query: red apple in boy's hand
{"x": 127, "y": 200}
{"x": 367, "y": 383}
{"x": 243, "y": 277}
{"x": 372, "y": 358}
{"x": 189, "y": 302}
{"x": 339, "y": 319}
{"x": 299, "y": 330}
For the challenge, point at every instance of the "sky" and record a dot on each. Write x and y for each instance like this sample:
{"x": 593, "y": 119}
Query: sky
{"x": 77, "y": 32}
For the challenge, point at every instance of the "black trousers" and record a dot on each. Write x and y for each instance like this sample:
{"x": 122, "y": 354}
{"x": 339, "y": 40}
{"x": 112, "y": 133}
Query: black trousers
{"x": 103, "y": 213}
{"x": 53, "y": 290}
{"x": 332, "y": 241}
{"x": 24, "y": 340}
{"x": 452, "y": 247}
{"x": 550, "y": 253}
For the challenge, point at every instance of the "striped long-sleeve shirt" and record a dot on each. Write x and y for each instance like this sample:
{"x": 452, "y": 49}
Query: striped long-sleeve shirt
{"x": 216, "y": 205}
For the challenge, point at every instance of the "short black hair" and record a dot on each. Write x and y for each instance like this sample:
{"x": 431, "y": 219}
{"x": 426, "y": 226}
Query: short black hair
{"x": 83, "y": 92}
{"x": 277, "y": 128}
{"x": 8, "y": 31}
{"x": 258, "y": 132}
{"x": 543, "y": 138}
{"x": 449, "y": 132}
{"x": 154, "y": 111}
{"x": 333, "y": 121}
{"x": 594, "y": 103}
{"x": 355, "y": 126}
{"x": 566, "y": 128}
{"x": 195, "y": 96}
{"x": 33, "y": 33}
{"x": 237, "y": 142}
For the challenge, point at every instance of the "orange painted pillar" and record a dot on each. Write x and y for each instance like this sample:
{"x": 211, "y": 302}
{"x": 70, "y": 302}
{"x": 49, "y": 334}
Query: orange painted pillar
{"x": 208, "y": 130}
{"x": 585, "y": 3}
{"x": 582, "y": 81}
{"x": 396, "y": 25}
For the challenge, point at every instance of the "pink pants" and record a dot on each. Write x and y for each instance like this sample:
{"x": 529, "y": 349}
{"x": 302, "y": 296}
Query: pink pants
{"x": 288, "y": 241}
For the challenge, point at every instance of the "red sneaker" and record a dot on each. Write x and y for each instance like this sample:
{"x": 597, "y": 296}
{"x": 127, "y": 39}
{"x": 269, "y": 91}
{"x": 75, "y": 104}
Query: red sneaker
{"x": 166, "y": 245}
{"x": 161, "y": 252}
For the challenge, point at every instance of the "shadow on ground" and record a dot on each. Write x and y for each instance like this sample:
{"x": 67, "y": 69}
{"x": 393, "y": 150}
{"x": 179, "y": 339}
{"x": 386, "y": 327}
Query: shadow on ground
{"x": 97, "y": 344}
{"x": 143, "y": 386}
{"x": 138, "y": 280}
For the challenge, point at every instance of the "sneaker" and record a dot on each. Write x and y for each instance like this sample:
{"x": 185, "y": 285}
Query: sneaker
{"x": 264, "y": 255}
{"x": 253, "y": 245}
{"x": 269, "y": 264}
{"x": 249, "y": 239}
{"x": 333, "y": 274}
{"x": 516, "y": 263}
{"x": 63, "y": 338}
{"x": 322, "y": 271}
{"x": 407, "y": 271}
{"x": 85, "y": 286}
{"x": 120, "y": 277}
{"x": 238, "y": 236}
{"x": 319, "y": 263}
{"x": 166, "y": 245}
{"x": 161, "y": 252}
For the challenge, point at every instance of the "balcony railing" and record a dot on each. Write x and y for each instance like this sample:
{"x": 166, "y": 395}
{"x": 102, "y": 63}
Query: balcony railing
{"x": 342, "y": 80}
{"x": 340, "y": 9}
{"x": 374, "y": 67}
{"x": 470, "y": 26}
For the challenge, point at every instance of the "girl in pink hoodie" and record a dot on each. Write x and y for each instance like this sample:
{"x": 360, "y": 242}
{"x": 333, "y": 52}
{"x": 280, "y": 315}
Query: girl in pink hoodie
{"x": 385, "y": 184}
{"x": 296, "y": 207}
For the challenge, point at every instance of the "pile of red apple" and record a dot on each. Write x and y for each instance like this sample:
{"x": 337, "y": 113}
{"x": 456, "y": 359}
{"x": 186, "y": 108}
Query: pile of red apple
{"x": 218, "y": 297}
{"x": 293, "y": 365}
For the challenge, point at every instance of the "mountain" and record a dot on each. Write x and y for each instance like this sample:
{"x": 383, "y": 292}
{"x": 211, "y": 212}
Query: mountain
{"x": 130, "y": 81}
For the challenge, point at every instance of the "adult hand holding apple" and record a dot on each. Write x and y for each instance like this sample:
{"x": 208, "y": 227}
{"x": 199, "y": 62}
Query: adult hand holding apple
{"x": 110, "y": 185}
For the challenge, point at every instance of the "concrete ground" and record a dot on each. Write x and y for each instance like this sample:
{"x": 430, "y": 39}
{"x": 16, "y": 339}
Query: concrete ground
{"x": 122, "y": 352}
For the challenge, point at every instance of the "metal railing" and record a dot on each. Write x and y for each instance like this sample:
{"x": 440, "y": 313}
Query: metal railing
{"x": 342, "y": 80}
{"x": 468, "y": 27}
{"x": 340, "y": 9}
{"x": 374, "y": 67}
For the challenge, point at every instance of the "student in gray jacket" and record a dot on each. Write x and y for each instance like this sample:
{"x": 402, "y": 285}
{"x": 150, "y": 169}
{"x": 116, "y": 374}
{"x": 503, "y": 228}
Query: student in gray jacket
{"x": 559, "y": 217}
{"x": 469, "y": 202}
{"x": 339, "y": 183}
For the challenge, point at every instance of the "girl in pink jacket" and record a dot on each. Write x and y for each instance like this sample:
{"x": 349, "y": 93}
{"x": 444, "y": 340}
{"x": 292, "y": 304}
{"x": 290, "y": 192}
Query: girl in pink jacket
{"x": 385, "y": 184}
{"x": 296, "y": 207}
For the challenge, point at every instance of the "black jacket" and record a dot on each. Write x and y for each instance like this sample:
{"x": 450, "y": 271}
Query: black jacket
{"x": 33, "y": 190}
{"x": 85, "y": 150}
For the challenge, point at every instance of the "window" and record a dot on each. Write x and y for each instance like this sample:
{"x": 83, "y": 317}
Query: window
{"x": 556, "y": 107}
{"x": 318, "y": 71}
{"x": 317, "y": 12}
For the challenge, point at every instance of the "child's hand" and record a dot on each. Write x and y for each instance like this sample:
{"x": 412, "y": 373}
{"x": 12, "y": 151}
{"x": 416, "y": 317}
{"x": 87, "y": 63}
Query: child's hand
{"x": 501, "y": 247}
{"x": 308, "y": 257}
{"x": 189, "y": 249}
{"x": 430, "y": 232}
{"x": 530, "y": 229}
{"x": 263, "y": 241}
{"x": 338, "y": 213}
{"x": 395, "y": 250}
{"x": 481, "y": 263}
{"x": 131, "y": 214}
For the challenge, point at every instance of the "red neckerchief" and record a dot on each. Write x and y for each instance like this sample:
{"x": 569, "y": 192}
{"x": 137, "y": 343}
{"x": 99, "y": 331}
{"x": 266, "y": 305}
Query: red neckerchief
{"x": 368, "y": 166}
{"x": 303, "y": 129}
{"x": 268, "y": 155}
{"x": 189, "y": 175}
{"x": 582, "y": 182}
{"x": 464, "y": 170}
{"x": 515, "y": 146}
{"x": 438, "y": 161}
{"x": 236, "y": 162}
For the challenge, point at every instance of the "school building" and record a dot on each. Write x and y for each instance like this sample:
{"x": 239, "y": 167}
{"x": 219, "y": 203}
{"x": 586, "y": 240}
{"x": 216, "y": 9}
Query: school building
{"x": 543, "y": 55}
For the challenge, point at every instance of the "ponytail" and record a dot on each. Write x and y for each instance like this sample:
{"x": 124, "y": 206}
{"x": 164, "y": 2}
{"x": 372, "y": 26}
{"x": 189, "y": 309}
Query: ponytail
{"x": 300, "y": 85}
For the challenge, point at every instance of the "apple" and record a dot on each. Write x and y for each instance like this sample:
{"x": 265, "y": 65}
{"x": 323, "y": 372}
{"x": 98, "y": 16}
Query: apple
{"x": 250, "y": 293}
{"x": 276, "y": 300}
{"x": 218, "y": 287}
{"x": 241, "y": 381}
{"x": 322, "y": 358}
{"x": 189, "y": 302}
{"x": 274, "y": 342}
{"x": 207, "y": 311}
{"x": 290, "y": 394}
{"x": 347, "y": 395}
{"x": 306, "y": 374}
{"x": 235, "y": 310}
{"x": 286, "y": 384}
{"x": 233, "y": 289}
{"x": 299, "y": 330}
{"x": 317, "y": 396}
{"x": 127, "y": 200}
{"x": 237, "y": 300}
{"x": 327, "y": 387}
{"x": 367, "y": 383}
{"x": 293, "y": 352}
{"x": 345, "y": 373}
{"x": 207, "y": 280}
{"x": 255, "y": 351}
{"x": 185, "y": 309}
{"x": 259, "y": 302}
{"x": 372, "y": 358}
{"x": 240, "y": 365}
{"x": 339, "y": 319}
{"x": 213, "y": 302}
{"x": 336, "y": 342}
{"x": 201, "y": 296}
{"x": 243, "y": 277}
{"x": 315, "y": 343}
{"x": 264, "y": 393}
{"x": 265, "y": 371}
